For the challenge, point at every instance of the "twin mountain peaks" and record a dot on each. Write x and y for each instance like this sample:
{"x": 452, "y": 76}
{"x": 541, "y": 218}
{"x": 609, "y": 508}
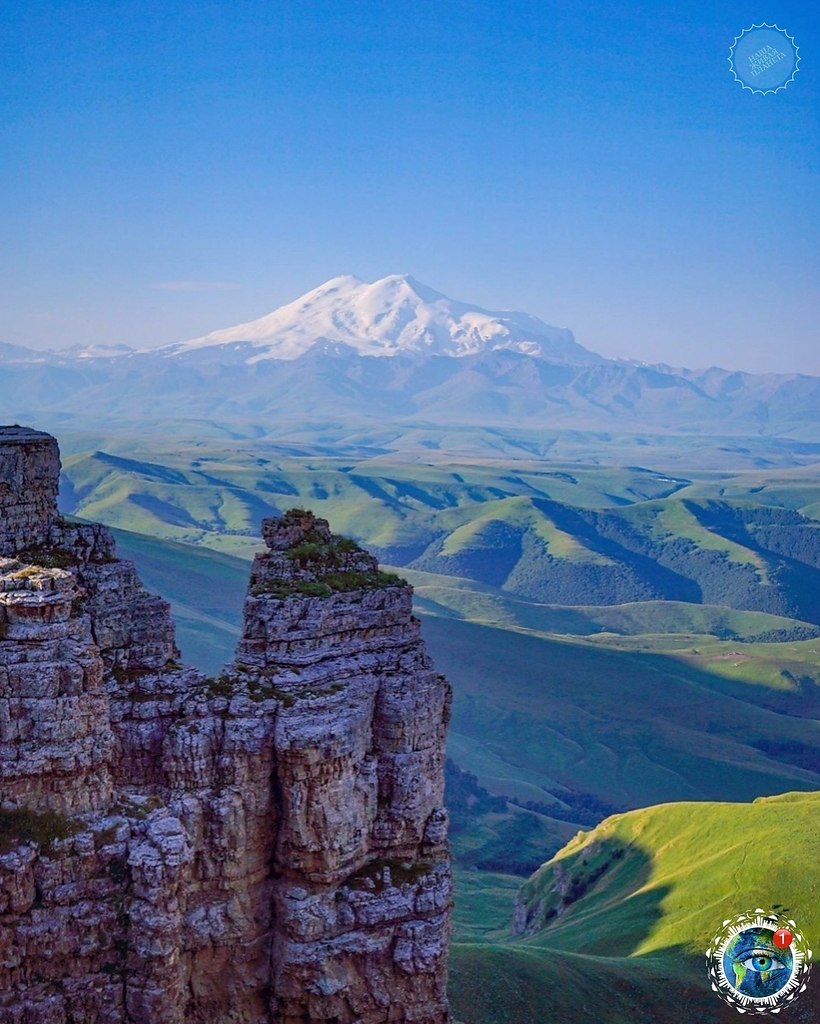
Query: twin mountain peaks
{"x": 396, "y": 314}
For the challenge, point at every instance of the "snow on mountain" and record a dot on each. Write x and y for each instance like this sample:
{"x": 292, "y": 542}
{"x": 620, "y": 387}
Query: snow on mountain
{"x": 95, "y": 351}
{"x": 394, "y": 315}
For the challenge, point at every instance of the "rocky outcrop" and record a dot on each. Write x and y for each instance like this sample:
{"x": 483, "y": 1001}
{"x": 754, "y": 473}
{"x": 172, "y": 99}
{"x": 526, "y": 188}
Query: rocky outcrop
{"x": 29, "y": 479}
{"x": 266, "y": 846}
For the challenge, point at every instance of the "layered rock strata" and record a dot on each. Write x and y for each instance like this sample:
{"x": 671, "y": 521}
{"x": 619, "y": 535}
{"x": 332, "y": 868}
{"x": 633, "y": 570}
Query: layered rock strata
{"x": 267, "y": 846}
{"x": 29, "y": 479}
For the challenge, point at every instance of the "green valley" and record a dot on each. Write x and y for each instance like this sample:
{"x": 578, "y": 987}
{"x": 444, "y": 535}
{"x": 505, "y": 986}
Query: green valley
{"x": 614, "y": 927}
{"x": 562, "y": 534}
{"x": 617, "y": 638}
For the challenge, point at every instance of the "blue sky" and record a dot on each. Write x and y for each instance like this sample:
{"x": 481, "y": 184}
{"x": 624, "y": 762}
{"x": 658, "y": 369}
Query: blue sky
{"x": 168, "y": 169}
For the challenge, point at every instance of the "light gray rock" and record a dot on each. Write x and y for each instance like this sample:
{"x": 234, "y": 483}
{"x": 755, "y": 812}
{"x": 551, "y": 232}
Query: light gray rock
{"x": 269, "y": 846}
{"x": 29, "y": 479}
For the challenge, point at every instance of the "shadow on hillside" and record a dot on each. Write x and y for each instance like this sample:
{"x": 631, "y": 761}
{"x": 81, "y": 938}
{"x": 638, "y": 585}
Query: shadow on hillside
{"x": 622, "y": 547}
{"x": 592, "y": 901}
{"x": 692, "y": 998}
{"x": 630, "y": 727}
{"x": 513, "y": 985}
{"x": 586, "y": 916}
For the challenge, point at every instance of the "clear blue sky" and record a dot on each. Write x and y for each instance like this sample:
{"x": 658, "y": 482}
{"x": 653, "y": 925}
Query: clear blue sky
{"x": 171, "y": 168}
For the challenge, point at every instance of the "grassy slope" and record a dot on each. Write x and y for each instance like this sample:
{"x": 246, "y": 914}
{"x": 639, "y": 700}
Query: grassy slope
{"x": 518, "y": 513}
{"x": 667, "y": 520}
{"x": 632, "y": 728}
{"x": 644, "y": 924}
{"x": 762, "y": 851}
{"x": 458, "y": 597}
{"x": 712, "y": 552}
{"x": 797, "y": 488}
{"x": 520, "y": 526}
{"x": 182, "y": 493}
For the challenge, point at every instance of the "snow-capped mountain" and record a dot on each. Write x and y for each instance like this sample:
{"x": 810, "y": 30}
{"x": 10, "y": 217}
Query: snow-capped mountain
{"x": 391, "y": 316}
{"x": 311, "y": 362}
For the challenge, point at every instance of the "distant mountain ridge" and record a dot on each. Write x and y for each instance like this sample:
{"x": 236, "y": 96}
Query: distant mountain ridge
{"x": 398, "y": 352}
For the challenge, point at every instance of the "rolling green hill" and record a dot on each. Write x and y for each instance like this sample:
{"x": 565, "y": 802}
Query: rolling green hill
{"x": 615, "y": 926}
{"x": 460, "y": 598}
{"x": 796, "y": 487}
{"x": 757, "y": 558}
{"x": 201, "y": 494}
{"x": 546, "y": 533}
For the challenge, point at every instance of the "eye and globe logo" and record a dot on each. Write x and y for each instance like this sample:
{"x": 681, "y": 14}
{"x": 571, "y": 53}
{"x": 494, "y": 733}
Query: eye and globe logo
{"x": 759, "y": 962}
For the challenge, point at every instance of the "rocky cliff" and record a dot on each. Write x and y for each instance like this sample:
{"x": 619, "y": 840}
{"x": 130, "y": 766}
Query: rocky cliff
{"x": 267, "y": 846}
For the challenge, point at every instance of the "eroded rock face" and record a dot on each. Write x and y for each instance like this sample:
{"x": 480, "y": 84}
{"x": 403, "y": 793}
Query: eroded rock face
{"x": 29, "y": 479}
{"x": 362, "y": 897}
{"x": 269, "y": 846}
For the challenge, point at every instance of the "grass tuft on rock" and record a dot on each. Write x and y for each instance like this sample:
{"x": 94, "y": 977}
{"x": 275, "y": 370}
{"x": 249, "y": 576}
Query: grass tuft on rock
{"x": 23, "y": 825}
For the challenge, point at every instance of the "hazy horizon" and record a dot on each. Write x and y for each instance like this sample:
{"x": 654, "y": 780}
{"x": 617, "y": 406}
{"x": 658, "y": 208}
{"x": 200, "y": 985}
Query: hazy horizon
{"x": 168, "y": 173}
{"x": 624, "y": 357}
